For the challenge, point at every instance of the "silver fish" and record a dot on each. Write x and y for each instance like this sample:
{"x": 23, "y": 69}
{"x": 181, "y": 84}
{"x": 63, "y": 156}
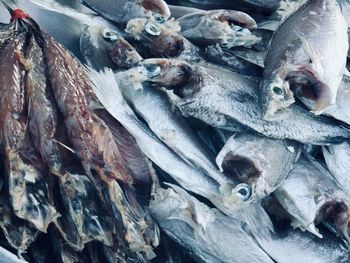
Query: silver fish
{"x": 228, "y": 28}
{"x": 205, "y": 232}
{"x": 260, "y": 162}
{"x": 224, "y": 100}
{"x": 299, "y": 58}
{"x": 179, "y": 11}
{"x": 8, "y": 257}
{"x": 169, "y": 126}
{"x": 337, "y": 157}
{"x": 311, "y": 195}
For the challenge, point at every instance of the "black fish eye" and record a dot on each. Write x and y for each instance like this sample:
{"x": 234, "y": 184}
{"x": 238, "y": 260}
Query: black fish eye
{"x": 152, "y": 70}
{"x": 277, "y": 90}
{"x": 244, "y": 191}
{"x": 159, "y": 18}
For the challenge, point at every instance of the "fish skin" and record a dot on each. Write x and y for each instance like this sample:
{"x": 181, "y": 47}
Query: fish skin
{"x": 337, "y": 158}
{"x": 42, "y": 114}
{"x": 304, "y": 247}
{"x": 113, "y": 52}
{"x": 203, "y": 231}
{"x": 121, "y": 11}
{"x": 260, "y": 162}
{"x": 171, "y": 128}
{"x": 89, "y": 135}
{"x": 228, "y": 28}
{"x": 299, "y": 54}
{"x": 179, "y": 11}
{"x": 311, "y": 195}
{"x": 224, "y": 99}
{"x": 27, "y": 185}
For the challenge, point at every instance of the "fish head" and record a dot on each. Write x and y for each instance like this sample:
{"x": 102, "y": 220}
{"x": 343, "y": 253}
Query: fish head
{"x": 173, "y": 74}
{"x": 158, "y": 8}
{"x": 162, "y": 39}
{"x": 103, "y": 47}
{"x": 276, "y": 96}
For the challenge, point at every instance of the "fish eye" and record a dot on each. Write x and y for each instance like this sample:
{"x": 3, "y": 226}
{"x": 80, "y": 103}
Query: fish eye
{"x": 109, "y": 35}
{"x": 152, "y": 70}
{"x": 243, "y": 191}
{"x": 277, "y": 90}
{"x": 152, "y": 29}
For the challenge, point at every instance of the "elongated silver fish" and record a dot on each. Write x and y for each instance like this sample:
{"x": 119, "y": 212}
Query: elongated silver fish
{"x": 206, "y": 233}
{"x": 306, "y": 58}
{"x": 311, "y": 195}
{"x": 169, "y": 126}
{"x": 337, "y": 157}
{"x": 260, "y": 162}
{"x": 224, "y": 100}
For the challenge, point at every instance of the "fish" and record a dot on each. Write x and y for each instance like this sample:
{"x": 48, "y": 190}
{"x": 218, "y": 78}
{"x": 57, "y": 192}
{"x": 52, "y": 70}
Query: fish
{"x": 122, "y": 11}
{"x": 337, "y": 158}
{"x": 225, "y": 100}
{"x": 311, "y": 195}
{"x": 169, "y": 126}
{"x": 179, "y": 11}
{"x": 89, "y": 135}
{"x": 104, "y": 47}
{"x": 229, "y": 28}
{"x": 162, "y": 40}
{"x": 204, "y": 232}
{"x": 26, "y": 183}
{"x": 42, "y": 113}
{"x": 260, "y": 162}
{"x": 298, "y": 61}
{"x": 227, "y": 197}
{"x": 7, "y": 256}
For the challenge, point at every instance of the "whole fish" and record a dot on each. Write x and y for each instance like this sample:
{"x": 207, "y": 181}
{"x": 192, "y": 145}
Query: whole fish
{"x": 27, "y": 187}
{"x": 205, "y": 232}
{"x": 311, "y": 195}
{"x": 169, "y": 126}
{"x": 224, "y": 100}
{"x": 227, "y": 197}
{"x": 121, "y": 11}
{"x": 337, "y": 157}
{"x": 298, "y": 61}
{"x": 228, "y": 28}
{"x": 260, "y": 162}
{"x": 104, "y": 47}
{"x": 89, "y": 135}
{"x": 42, "y": 114}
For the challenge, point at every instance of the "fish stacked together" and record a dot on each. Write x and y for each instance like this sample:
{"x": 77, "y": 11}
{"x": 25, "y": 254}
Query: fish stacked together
{"x": 210, "y": 130}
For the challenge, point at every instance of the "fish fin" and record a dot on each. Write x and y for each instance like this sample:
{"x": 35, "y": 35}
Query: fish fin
{"x": 313, "y": 230}
{"x": 54, "y": 6}
{"x": 257, "y": 220}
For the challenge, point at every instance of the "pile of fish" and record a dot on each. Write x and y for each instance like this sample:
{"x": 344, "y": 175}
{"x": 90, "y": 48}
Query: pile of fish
{"x": 174, "y": 131}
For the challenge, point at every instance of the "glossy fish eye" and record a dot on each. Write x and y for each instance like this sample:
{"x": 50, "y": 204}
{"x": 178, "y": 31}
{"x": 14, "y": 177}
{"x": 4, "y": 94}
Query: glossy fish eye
{"x": 243, "y": 191}
{"x": 152, "y": 70}
{"x": 277, "y": 90}
{"x": 152, "y": 29}
{"x": 109, "y": 35}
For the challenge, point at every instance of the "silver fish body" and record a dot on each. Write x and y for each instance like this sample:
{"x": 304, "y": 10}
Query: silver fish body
{"x": 337, "y": 157}
{"x": 207, "y": 234}
{"x": 298, "y": 61}
{"x": 311, "y": 195}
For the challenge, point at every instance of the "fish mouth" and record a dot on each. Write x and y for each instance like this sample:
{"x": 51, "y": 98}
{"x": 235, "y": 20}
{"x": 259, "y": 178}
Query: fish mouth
{"x": 157, "y": 7}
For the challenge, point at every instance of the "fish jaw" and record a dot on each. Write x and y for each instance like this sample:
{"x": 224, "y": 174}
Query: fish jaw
{"x": 276, "y": 95}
